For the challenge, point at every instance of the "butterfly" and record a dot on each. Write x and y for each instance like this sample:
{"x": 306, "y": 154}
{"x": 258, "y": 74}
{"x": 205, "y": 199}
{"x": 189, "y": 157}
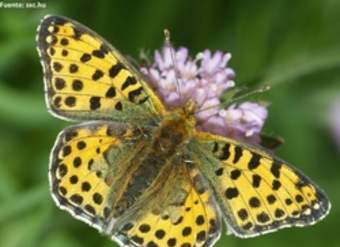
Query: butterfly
{"x": 143, "y": 174}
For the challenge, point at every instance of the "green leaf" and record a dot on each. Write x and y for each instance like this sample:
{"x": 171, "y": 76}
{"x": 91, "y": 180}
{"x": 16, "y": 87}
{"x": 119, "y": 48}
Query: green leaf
{"x": 21, "y": 203}
{"x": 302, "y": 65}
{"x": 23, "y": 109}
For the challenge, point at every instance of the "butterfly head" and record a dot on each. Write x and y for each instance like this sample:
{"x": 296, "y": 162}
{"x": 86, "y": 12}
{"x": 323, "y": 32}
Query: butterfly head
{"x": 187, "y": 114}
{"x": 182, "y": 119}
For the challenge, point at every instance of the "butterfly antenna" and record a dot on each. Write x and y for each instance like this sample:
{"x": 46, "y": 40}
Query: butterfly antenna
{"x": 172, "y": 54}
{"x": 261, "y": 89}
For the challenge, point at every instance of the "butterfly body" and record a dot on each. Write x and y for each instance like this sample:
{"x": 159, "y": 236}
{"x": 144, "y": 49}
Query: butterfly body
{"x": 164, "y": 143}
{"x": 143, "y": 174}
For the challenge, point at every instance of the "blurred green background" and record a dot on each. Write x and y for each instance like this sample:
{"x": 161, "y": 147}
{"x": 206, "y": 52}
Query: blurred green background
{"x": 292, "y": 45}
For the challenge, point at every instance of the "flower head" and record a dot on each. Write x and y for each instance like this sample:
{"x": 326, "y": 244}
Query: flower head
{"x": 177, "y": 78}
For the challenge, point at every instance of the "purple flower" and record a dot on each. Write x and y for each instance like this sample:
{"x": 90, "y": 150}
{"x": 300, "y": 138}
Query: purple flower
{"x": 177, "y": 78}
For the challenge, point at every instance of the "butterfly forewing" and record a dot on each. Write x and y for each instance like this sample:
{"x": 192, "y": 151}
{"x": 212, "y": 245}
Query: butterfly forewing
{"x": 257, "y": 192}
{"x": 88, "y": 79}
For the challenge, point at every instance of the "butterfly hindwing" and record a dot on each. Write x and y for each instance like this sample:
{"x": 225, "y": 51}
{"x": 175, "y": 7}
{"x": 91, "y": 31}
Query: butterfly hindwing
{"x": 87, "y": 162}
{"x": 257, "y": 192}
{"x": 181, "y": 213}
{"x": 86, "y": 78}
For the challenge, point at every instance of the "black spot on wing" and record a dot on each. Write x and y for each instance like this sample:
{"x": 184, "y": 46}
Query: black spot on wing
{"x": 225, "y": 152}
{"x": 275, "y": 168}
{"x": 115, "y": 69}
{"x": 254, "y": 161}
{"x": 98, "y": 53}
{"x": 105, "y": 48}
{"x": 134, "y": 94}
{"x": 238, "y": 154}
{"x": 85, "y": 57}
{"x": 77, "y": 33}
{"x": 130, "y": 80}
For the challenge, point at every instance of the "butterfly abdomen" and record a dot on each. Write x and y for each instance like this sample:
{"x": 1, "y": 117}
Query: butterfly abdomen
{"x": 167, "y": 142}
